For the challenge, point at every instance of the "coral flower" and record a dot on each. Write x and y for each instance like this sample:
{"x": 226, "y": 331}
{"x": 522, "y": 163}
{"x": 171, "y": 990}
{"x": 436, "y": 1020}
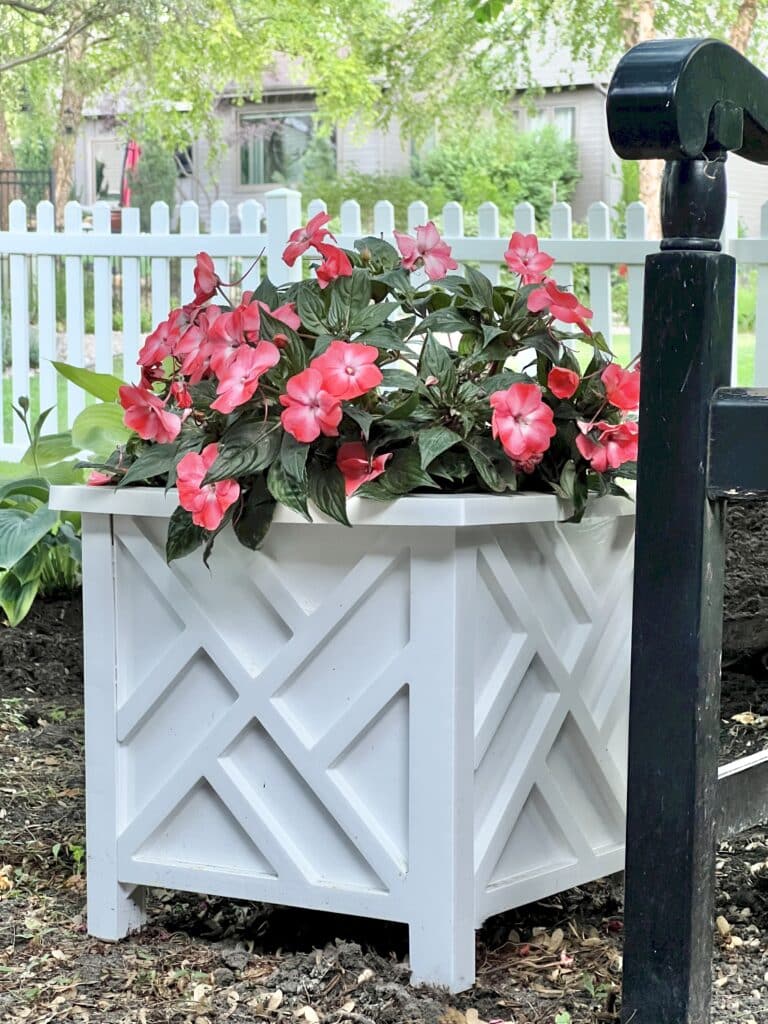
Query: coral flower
{"x": 622, "y": 387}
{"x": 615, "y": 444}
{"x": 208, "y": 502}
{"x": 248, "y": 314}
{"x": 313, "y": 232}
{"x": 335, "y": 264}
{"x": 348, "y": 369}
{"x": 523, "y": 422}
{"x": 157, "y": 346}
{"x": 98, "y": 479}
{"x": 562, "y": 305}
{"x": 562, "y": 383}
{"x": 427, "y": 247}
{"x": 242, "y": 374}
{"x": 309, "y": 410}
{"x": 357, "y": 466}
{"x": 146, "y": 414}
{"x": 206, "y": 279}
{"x": 523, "y": 258}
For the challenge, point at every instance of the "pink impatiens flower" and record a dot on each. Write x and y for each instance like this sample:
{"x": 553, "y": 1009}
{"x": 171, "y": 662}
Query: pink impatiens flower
{"x": 524, "y": 424}
{"x": 348, "y": 369}
{"x": 335, "y": 264}
{"x": 357, "y": 466}
{"x": 523, "y": 258}
{"x": 98, "y": 479}
{"x": 427, "y": 247}
{"x": 207, "y": 503}
{"x": 146, "y": 414}
{"x": 313, "y": 232}
{"x": 622, "y": 387}
{"x": 241, "y": 375}
{"x": 561, "y": 304}
{"x": 206, "y": 279}
{"x": 562, "y": 382}
{"x": 309, "y": 410}
{"x": 615, "y": 444}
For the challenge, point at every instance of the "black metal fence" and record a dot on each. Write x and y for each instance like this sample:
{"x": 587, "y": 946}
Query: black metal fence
{"x": 31, "y": 186}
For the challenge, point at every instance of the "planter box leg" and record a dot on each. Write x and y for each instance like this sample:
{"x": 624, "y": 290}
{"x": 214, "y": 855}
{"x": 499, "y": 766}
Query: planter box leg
{"x": 442, "y": 925}
{"x": 114, "y": 910}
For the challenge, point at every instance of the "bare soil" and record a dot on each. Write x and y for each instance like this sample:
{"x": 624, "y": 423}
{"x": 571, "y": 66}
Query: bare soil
{"x": 205, "y": 960}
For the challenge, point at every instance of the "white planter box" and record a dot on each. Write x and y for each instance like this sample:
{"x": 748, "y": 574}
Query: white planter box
{"x": 422, "y": 719}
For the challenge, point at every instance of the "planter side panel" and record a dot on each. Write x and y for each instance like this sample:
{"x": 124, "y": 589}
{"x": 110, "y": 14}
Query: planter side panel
{"x": 551, "y": 668}
{"x": 264, "y": 714}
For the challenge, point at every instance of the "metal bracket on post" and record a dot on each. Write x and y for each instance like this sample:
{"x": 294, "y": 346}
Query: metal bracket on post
{"x": 688, "y": 102}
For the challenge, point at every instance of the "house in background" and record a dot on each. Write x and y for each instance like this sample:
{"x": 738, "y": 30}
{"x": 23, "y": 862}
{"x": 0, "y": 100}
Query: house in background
{"x": 273, "y": 142}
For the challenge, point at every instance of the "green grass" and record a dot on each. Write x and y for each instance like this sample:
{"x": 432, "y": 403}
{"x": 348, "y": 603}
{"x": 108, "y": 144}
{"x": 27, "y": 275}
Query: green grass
{"x": 746, "y": 354}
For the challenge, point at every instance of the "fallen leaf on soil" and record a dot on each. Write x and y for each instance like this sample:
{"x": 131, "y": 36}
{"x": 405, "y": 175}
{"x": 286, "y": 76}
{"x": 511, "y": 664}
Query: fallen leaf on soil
{"x": 473, "y": 1017}
{"x": 364, "y": 976}
{"x": 555, "y": 940}
{"x": 750, "y": 718}
{"x": 275, "y": 1001}
{"x": 199, "y": 992}
{"x": 308, "y": 1014}
{"x": 452, "y": 1016}
{"x": 723, "y": 927}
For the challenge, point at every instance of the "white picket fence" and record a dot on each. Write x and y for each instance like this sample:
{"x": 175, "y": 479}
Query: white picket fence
{"x": 138, "y": 266}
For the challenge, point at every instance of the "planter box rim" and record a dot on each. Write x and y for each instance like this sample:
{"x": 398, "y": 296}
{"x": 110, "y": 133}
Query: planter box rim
{"x": 448, "y": 510}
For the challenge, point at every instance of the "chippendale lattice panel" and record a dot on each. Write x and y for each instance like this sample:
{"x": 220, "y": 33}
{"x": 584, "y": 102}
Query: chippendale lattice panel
{"x": 423, "y": 723}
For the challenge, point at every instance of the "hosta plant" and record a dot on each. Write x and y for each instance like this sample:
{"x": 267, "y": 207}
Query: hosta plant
{"x": 383, "y": 374}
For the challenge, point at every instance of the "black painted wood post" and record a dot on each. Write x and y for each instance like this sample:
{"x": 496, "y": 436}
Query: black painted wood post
{"x": 675, "y": 701}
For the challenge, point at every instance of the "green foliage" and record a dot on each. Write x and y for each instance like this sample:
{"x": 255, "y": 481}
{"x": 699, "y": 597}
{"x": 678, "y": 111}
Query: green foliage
{"x": 747, "y": 300}
{"x": 503, "y": 166}
{"x": 39, "y": 548}
{"x": 368, "y": 189}
{"x": 153, "y": 180}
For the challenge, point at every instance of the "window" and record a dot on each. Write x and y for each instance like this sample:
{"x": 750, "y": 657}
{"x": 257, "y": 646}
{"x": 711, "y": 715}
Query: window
{"x": 537, "y": 120}
{"x": 274, "y": 147}
{"x": 183, "y": 159}
{"x": 564, "y": 118}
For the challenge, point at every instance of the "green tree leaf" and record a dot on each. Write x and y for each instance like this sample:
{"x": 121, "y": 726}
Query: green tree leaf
{"x": 434, "y": 442}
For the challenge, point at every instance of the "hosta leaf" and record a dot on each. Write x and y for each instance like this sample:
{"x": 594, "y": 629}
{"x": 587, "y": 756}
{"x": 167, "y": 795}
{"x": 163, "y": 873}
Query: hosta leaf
{"x": 34, "y": 487}
{"x": 289, "y": 492}
{"x": 101, "y": 385}
{"x": 50, "y": 449}
{"x": 16, "y": 598}
{"x": 20, "y": 531}
{"x": 251, "y": 524}
{"x": 99, "y": 429}
{"x": 153, "y": 461}
{"x": 434, "y": 442}
{"x": 31, "y": 565}
{"x": 183, "y": 536}
{"x": 326, "y": 490}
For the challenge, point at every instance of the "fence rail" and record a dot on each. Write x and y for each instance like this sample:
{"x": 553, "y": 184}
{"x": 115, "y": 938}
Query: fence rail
{"x": 89, "y": 296}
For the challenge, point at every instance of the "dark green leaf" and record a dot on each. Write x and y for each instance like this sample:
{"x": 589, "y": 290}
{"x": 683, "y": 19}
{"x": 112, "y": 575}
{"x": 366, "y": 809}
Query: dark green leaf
{"x": 543, "y": 343}
{"x": 266, "y": 292}
{"x": 502, "y": 381}
{"x": 435, "y": 361}
{"x": 183, "y": 536}
{"x": 403, "y": 380}
{"x": 373, "y": 315}
{"x": 310, "y": 306}
{"x": 289, "y": 492}
{"x": 363, "y": 419}
{"x": 485, "y": 455}
{"x": 326, "y": 490}
{"x": 293, "y": 456}
{"x": 384, "y": 337}
{"x": 446, "y": 321}
{"x": 252, "y": 522}
{"x": 247, "y": 448}
{"x": 382, "y": 252}
{"x": 434, "y": 442}
{"x": 404, "y": 409}
{"x": 480, "y": 287}
{"x": 403, "y": 474}
{"x": 157, "y": 459}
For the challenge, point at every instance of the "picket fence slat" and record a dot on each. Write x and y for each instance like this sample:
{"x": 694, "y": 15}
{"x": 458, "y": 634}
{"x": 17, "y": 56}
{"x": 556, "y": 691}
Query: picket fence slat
{"x": 599, "y": 230}
{"x": 131, "y": 300}
{"x": 46, "y": 320}
{"x": 75, "y": 308}
{"x": 102, "y": 292}
{"x": 160, "y": 267}
{"x": 19, "y": 281}
{"x": 175, "y": 237}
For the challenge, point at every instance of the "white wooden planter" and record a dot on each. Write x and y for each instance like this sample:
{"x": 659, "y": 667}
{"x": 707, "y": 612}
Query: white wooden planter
{"x": 422, "y": 719}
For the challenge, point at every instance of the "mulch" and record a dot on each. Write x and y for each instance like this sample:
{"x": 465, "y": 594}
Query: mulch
{"x": 203, "y": 960}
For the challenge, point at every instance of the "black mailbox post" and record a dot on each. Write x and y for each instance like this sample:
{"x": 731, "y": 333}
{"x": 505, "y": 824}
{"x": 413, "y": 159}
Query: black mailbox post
{"x": 688, "y": 102}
